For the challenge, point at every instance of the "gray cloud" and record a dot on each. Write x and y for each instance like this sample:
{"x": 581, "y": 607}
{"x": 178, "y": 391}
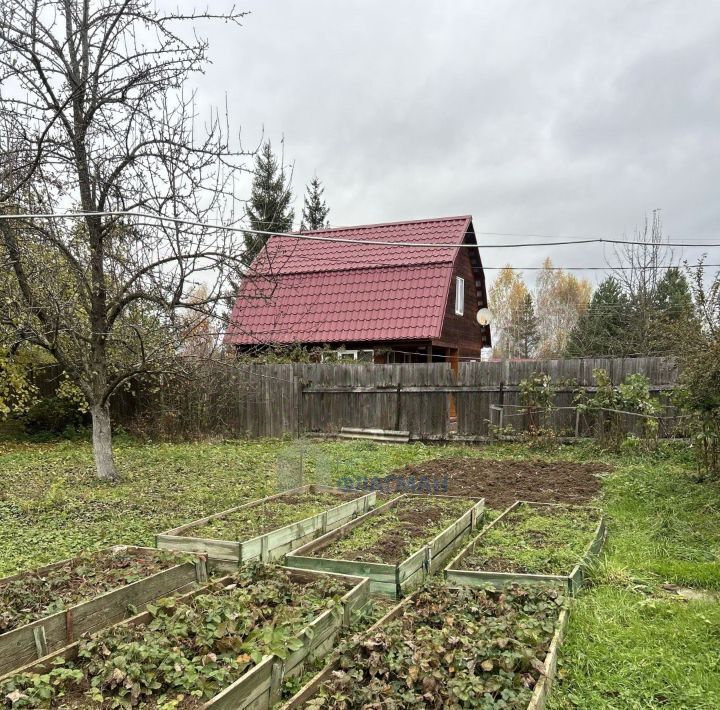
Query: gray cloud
{"x": 543, "y": 117}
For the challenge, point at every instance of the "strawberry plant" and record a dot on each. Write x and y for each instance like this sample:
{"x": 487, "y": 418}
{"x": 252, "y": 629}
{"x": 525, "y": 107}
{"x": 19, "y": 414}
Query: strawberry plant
{"x": 36, "y": 595}
{"x": 188, "y": 650}
{"x": 467, "y": 647}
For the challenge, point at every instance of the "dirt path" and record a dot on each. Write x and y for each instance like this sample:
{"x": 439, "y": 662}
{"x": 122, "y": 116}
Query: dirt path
{"x": 501, "y": 483}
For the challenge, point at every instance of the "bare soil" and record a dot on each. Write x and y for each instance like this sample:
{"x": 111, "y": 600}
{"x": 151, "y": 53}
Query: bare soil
{"x": 501, "y": 483}
{"x": 391, "y": 536}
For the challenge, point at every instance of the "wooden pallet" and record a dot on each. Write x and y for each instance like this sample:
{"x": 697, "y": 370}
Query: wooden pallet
{"x": 383, "y": 435}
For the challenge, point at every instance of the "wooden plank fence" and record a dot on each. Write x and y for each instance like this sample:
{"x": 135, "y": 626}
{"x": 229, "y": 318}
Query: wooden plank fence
{"x": 247, "y": 400}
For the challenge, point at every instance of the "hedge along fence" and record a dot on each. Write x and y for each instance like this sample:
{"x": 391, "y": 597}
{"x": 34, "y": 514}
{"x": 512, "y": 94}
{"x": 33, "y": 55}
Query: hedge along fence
{"x": 260, "y": 687}
{"x": 390, "y": 580}
{"x": 229, "y": 554}
{"x": 573, "y": 580}
{"x": 55, "y": 631}
{"x": 540, "y": 694}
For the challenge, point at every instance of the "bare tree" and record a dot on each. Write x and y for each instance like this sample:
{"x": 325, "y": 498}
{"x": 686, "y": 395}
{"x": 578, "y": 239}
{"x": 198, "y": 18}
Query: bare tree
{"x": 638, "y": 268}
{"x": 95, "y": 117}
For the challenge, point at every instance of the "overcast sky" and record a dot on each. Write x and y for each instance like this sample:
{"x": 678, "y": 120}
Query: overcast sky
{"x": 560, "y": 118}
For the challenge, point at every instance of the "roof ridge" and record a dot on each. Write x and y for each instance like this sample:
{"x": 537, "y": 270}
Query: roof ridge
{"x": 360, "y": 267}
{"x": 454, "y": 218}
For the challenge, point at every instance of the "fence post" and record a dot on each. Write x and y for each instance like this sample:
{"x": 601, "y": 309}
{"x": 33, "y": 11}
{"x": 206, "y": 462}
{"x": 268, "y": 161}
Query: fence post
{"x": 577, "y": 423}
{"x": 397, "y": 409}
{"x": 299, "y": 389}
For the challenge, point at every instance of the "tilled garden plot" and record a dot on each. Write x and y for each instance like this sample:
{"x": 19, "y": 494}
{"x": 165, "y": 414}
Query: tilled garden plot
{"x": 251, "y": 522}
{"x": 534, "y": 539}
{"x": 502, "y": 482}
{"x": 183, "y": 652}
{"x": 268, "y": 528}
{"x": 393, "y": 534}
{"x": 448, "y": 647}
{"x": 397, "y": 545}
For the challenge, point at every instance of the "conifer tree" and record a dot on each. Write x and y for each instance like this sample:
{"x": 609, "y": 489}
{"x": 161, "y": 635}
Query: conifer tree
{"x": 269, "y": 209}
{"x": 524, "y": 327}
{"x": 601, "y": 329}
{"x": 315, "y": 210}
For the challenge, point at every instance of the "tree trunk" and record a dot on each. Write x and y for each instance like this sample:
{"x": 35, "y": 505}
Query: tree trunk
{"x": 102, "y": 443}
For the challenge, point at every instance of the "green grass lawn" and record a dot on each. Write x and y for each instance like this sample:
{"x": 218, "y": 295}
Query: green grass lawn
{"x": 630, "y": 644}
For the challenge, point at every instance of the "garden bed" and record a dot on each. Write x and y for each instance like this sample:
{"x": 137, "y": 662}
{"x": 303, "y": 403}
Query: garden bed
{"x": 499, "y": 482}
{"x": 268, "y": 528}
{"x": 227, "y": 646}
{"x": 397, "y": 545}
{"x": 46, "y": 609}
{"x": 450, "y": 647}
{"x": 532, "y": 542}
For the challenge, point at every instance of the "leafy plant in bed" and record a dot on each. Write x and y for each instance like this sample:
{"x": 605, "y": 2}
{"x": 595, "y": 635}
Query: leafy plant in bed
{"x": 393, "y": 534}
{"x": 34, "y": 595}
{"x": 251, "y": 522}
{"x": 534, "y": 539}
{"x": 188, "y": 650}
{"x": 448, "y": 647}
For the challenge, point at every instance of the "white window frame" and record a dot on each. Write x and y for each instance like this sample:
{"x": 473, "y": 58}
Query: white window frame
{"x": 459, "y": 296}
{"x": 346, "y": 355}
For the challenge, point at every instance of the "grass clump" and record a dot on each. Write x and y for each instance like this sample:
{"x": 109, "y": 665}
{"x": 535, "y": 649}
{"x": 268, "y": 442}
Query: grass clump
{"x": 625, "y": 649}
{"x": 535, "y": 539}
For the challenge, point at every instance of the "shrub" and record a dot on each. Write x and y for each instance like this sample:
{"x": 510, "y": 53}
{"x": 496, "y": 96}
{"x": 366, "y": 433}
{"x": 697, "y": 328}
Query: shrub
{"x": 54, "y": 415}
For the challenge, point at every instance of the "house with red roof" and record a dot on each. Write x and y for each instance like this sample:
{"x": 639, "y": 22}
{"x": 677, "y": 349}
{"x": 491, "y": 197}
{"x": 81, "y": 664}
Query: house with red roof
{"x": 386, "y": 293}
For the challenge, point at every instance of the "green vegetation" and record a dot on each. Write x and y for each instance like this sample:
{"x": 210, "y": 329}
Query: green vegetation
{"x": 249, "y": 523}
{"x": 630, "y": 649}
{"x": 34, "y": 596}
{"x": 664, "y": 527}
{"x": 187, "y": 650}
{"x": 535, "y": 539}
{"x": 631, "y": 643}
{"x": 468, "y": 648}
{"x": 52, "y": 508}
{"x": 394, "y": 534}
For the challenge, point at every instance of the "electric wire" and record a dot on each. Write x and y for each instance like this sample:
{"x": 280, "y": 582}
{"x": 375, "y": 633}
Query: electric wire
{"x": 315, "y": 236}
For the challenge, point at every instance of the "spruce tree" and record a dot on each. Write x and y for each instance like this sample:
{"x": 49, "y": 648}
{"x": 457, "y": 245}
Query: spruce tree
{"x": 674, "y": 312}
{"x": 269, "y": 209}
{"x": 525, "y": 328}
{"x": 673, "y": 299}
{"x": 602, "y": 328}
{"x": 315, "y": 210}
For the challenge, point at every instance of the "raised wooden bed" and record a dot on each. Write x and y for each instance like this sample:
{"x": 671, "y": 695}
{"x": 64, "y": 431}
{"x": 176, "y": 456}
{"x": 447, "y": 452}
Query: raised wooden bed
{"x": 55, "y": 631}
{"x": 260, "y": 687}
{"x": 390, "y": 580}
{"x": 573, "y": 580}
{"x": 229, "y": 554}
{"x": 541, "y": 691}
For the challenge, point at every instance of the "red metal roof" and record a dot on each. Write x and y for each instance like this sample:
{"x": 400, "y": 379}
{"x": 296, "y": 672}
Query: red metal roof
{"x": 301, "y": 291}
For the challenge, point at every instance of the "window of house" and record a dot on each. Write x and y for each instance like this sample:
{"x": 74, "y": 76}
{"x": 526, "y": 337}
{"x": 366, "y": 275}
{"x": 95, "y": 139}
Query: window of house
{"x": 459, "y": 295}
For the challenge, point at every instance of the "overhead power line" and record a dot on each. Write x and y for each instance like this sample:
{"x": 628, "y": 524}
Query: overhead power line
{"x": 339, "y": 240}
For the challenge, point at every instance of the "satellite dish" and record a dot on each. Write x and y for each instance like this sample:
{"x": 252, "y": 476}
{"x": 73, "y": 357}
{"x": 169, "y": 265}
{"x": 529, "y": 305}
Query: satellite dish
{"x": 484, "y": 316}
